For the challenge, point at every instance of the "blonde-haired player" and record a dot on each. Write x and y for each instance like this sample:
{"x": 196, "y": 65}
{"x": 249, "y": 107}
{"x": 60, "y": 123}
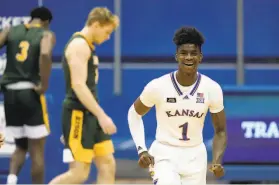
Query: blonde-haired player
{"x": 182, "y": 99}
{"x": 86, "y": 126}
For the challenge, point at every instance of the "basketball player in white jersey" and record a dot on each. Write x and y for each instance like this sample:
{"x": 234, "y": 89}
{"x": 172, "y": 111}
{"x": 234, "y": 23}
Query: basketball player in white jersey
{"x": 182, "y": 99}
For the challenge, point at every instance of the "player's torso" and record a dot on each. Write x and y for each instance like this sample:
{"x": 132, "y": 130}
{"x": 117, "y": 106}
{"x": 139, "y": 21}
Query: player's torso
{"x": 23, "y": 51}
{"x": 180, "y": 115}
{"x": 71, "y": 99}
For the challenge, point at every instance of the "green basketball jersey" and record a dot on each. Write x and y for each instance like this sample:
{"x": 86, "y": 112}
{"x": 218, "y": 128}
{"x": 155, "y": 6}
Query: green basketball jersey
{"x": 23, "y": 52}
{"x": 71, "y": 100}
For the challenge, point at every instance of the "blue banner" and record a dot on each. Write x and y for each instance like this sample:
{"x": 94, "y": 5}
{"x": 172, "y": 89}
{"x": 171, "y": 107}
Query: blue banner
{"x": 253, "y": 141}
{"x": 147, "y": 28}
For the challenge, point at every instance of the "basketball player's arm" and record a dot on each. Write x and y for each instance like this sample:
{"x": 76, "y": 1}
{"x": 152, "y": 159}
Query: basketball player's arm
{"x": 219, "y": 123}
{"x": 220, "y": 136}
{"x": 4, "y": 36}
{"x": 136, "y": 111}
{"x": 77, "y": 55}
{"x": 141, "y": 106}
{"x": 45, "y": 61}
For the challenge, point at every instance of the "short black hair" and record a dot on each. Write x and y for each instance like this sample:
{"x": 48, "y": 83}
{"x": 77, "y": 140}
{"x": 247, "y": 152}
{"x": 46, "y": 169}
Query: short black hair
{"x": 188, "y": 35}
{"x": 42, "y": 13}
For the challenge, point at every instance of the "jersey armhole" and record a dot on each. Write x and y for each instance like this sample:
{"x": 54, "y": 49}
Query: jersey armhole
{"x": 71, "y": 42}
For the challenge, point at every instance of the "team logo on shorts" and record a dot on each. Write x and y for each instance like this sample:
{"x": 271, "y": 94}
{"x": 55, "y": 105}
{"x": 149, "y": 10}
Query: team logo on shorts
{"x": 200, "y": 98}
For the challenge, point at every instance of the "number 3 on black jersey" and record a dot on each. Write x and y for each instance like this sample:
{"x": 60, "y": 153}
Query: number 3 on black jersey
{"x": 23, "y": 54}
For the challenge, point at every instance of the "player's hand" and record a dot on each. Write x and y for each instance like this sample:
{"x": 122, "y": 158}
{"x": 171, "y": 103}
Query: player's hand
{"x": 217, "y": 169}
{"x": 40, "y": 89}
{"x": 107, "y": 124}
{"x": 1, "y": 140}
{"x": 145, "y": 159}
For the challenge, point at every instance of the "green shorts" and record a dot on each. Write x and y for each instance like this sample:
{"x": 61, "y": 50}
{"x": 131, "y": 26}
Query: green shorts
{"x": 84, "y": 136}
{"x": 26, "y": 114}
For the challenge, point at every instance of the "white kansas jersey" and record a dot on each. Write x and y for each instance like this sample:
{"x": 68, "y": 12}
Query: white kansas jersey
{"x": 181, "y": 111}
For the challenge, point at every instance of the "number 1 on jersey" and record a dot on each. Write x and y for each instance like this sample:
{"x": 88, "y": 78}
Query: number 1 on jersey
{"x": 184, "y": 132}
{"x": 22, "y": 56}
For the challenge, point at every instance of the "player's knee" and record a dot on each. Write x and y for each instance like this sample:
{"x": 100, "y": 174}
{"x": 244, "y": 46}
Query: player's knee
{"x": 20, "y": 152}
{"x": 80, "y": 171}
{"x": 37, "y": 159}
{"x": 80, "y": 176}
{"x": 36, "y": 149}
{"x": 106, "y": 165}
{"x": 37, "y": 167}
{"x": 38, "y": 163}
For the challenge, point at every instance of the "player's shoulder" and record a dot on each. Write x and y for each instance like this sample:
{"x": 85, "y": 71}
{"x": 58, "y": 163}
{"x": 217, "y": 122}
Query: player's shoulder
{"x": 78, "y": 41}
{"x": 48, "y": 33}
{"x": 159, "y": 81}
{"x": 15, "y": 28}
{"x": 19, "y": 26}
{"x": 14, "y": 31}
{"x": 209, "y": 82}
{"x": 78, "y": 44}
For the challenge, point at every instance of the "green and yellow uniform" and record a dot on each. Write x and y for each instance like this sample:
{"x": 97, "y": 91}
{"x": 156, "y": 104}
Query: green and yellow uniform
{"x": 25, "y": 110}
{"x": 82, "y": 132}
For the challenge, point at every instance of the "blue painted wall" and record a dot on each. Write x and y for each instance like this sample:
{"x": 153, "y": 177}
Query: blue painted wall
{"x": 148, "y": 26}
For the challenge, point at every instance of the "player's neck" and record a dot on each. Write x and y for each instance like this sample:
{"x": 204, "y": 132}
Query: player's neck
{"x": 35, "y": 22}
{"x": 186, "y": 79}
{"x": 87, "y": 33}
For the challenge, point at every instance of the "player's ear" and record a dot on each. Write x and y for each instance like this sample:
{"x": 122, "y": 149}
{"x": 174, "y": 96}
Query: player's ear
{"x": 95, "y": 24}
{"x": 45, "y": 24}
{"x": 201, "y": 57}
{"x": 175, "y": 56}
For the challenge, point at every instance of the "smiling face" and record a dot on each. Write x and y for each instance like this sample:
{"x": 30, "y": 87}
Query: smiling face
{"x": 189, "y": 57}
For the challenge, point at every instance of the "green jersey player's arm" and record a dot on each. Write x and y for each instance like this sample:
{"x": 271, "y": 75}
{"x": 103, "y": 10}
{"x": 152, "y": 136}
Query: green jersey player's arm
{"x": 77, "y": 54}
{"x": 142, "y": 105}
{"x": 4, "y": 36}
{"x": 47, "y": 44}
{"x": 218, "y": 117}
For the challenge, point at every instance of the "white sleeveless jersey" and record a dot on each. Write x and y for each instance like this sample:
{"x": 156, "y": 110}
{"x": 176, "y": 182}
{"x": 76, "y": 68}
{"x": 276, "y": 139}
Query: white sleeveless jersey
{"x": 180, "y": 115}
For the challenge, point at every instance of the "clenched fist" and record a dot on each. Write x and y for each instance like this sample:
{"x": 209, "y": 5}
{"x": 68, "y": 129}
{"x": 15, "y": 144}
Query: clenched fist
{"x": 217, "y": 169}
{"x": 145, "y": 159}
{"x": 107, "y": 124}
